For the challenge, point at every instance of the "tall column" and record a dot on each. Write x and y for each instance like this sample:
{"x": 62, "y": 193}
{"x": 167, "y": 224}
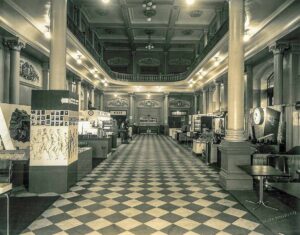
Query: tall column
{"x": 15, "y": 46}
{"x": 200, "y": 102}
{"x": 45, "y": 76}
{"x": 131, "y": 108}
{"x": 210, "y": 99}
{"x": 217, "y": 96}
{"x": 256, "y": 93}
{"x": 235, "y": 131}
{"x": 204, "y": 101}
{"x": 235, "y": 150}
{"x": 248, "y": 96}
{"x": 93, "y": 96}
{"x": 1, "y": 72}
{"x": 85, "y": 98}
{"x": 195, "y": 104}
{"x": 218, "y": 18}
{"x": 6, "y": 72}
{"x": 58, "y": 44}
{"x": 166, "y": 109}
{"x": 101, "y": 101}
{"x": 278, "y": 50}
{"x": 78, "y": 90}
{"x": 224, "y": 105}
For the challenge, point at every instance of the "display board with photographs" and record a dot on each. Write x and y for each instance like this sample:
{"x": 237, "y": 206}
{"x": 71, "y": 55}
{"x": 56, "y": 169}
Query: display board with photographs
{"x": 54, "y": 137}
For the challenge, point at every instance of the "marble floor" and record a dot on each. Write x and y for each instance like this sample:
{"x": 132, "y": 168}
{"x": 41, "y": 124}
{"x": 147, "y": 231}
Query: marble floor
{"x": 150, "y": 186}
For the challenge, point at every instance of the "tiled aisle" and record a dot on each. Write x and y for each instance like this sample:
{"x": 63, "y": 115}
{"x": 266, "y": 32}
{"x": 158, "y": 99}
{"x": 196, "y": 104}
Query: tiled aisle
{"x": 151, "y": 186}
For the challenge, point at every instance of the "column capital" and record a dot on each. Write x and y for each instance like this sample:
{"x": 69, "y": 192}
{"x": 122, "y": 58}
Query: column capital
{"x": 278, "y": 47}
{"x": 166, "y": 94}
{"x": 14, "y": 44}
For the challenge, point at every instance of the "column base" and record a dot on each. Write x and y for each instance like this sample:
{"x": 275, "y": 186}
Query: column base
{"x": 233, "y": 155}
{"x": 56, "y": 179}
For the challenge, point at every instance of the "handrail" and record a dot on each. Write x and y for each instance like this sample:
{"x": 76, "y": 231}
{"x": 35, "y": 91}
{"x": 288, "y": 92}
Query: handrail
{"x": 151, "y": 78}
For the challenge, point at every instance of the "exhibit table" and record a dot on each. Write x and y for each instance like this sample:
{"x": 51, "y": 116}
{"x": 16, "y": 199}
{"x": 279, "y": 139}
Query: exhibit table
{"x": 20, "y": 159}
{"x": 85, "y": 161}
{"x": 148, "y": 129}
{"x": 261, "y": 172}
{"x": 102, "y": 147}
{"x": 289, "y": 188}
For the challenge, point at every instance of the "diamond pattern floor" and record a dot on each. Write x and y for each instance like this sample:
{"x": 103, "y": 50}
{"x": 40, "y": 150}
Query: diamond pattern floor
{"x": 151, "y": 186}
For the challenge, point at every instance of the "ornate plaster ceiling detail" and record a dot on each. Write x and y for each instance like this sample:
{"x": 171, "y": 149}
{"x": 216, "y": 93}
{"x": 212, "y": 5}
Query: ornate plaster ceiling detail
{"x": 177, "y": 103}
{"x": 118, "y": 61}
{"x": 180, "y": 61}
{"x": 119, "y": 102}
{"x": 195, "y": 13}
{"x": 148, "y": 104}
{"x": 149, "y": 62}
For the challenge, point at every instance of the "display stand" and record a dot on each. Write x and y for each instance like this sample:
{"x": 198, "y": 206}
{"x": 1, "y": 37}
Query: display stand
{"x": 54, "y": 141}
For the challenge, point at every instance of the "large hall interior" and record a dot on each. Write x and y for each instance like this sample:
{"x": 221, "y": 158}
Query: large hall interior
{"x": 137, "y": 117}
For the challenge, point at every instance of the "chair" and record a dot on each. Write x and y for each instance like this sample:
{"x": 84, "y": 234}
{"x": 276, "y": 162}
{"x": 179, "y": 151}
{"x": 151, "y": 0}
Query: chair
{"x": 280, "y": 163}
{"x": 6, "y": 185}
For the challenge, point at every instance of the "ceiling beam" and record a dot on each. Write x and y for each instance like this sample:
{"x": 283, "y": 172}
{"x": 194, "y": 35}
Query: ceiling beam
{"x": 126, "y": 18}
{"x": 172, "y": 21}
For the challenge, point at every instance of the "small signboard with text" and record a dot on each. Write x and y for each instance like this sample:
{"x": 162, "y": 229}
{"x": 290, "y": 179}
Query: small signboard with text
{"x": 118, "y": 113}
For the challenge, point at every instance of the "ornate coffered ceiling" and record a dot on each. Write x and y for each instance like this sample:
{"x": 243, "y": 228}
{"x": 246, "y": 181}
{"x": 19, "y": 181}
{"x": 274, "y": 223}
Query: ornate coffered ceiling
{"x": 175, "y": 25}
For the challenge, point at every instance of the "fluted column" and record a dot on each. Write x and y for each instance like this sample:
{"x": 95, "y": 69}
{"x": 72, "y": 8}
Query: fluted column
{"x": 58, "y": 44}
{"x": 235, "y": 131}
{"x": 217, "y": 96}
{"x": 166, "y": 109}
{"x": 15, "y": 46}
{"x": 278, "y": 50}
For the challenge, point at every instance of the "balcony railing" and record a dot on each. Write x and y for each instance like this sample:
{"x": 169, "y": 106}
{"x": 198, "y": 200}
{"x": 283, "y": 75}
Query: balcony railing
{"x": 151, "y": 78}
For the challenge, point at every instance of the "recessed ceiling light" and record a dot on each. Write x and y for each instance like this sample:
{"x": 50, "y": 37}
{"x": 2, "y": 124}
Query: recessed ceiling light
{"x": 47, "y": 33}
{"x": 190, "y": 2}
{"x": 79, "y": 60}
{"x": 105, "y": 1}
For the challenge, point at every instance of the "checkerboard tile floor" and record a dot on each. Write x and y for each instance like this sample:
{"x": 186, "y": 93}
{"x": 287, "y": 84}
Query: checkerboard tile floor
{"x": 151, "y": 186}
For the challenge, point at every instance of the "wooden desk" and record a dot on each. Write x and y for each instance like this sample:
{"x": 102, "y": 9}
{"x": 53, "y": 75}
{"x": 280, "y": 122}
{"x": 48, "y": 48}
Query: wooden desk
{"x": 261, "y": 172}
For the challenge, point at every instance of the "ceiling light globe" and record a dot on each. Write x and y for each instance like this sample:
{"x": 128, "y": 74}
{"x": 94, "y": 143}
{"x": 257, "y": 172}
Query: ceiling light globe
{"x": 105, "y": 1}
{"x": 190, "y": 2}
{"x": 154, "y": 6}
{"x": 149, "y": 19}
{"x": 144, "y": 5}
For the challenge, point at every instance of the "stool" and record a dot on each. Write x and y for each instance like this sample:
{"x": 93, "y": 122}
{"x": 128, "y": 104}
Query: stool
{"x": 5, "y": 188}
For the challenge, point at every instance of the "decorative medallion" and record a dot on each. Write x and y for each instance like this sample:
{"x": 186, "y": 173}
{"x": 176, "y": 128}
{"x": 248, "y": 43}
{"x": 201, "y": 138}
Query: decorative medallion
{"x": 101, "y": 12}
{"x": 117, "y": 103}
{"x": 180, "y": 61}
{"x": 175, "y": 103}
{"x": 149, "y": 104}
{"x": 187, "y": 32}
{"x": 118, "y": 61}
{"x": 109, "y": 31}
{"x": 149, "y": 62}
{"x": 196, "y": 13}
{"x": 28, "y": 72}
